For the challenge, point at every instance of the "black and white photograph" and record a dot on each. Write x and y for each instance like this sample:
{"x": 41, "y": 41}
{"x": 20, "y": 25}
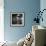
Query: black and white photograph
{"x": 17, "y": 19}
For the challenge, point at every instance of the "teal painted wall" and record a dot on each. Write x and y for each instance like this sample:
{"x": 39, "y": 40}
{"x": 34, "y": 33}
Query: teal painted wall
{"x": 29, "y": 7}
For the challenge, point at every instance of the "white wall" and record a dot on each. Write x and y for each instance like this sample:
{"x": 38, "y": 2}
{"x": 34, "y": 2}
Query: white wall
{"x": 1, "y": 21}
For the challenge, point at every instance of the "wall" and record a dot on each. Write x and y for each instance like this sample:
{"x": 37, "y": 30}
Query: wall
{"x": 29, "y": 7}
{"x": 43, "y": 6}
{"x": 1, "y": 21}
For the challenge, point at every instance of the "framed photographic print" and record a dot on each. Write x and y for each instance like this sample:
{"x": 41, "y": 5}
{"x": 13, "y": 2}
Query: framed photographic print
{"x": 17, "y": 19}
